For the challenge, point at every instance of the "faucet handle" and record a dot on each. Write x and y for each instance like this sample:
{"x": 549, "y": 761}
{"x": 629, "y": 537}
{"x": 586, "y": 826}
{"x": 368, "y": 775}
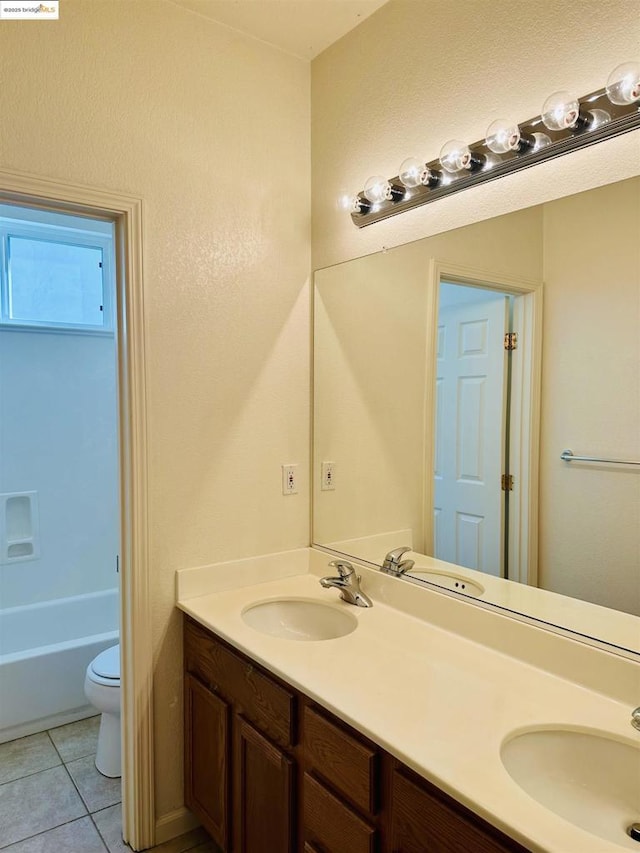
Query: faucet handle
{"x": 635, "y": 718}
{"x": 398, "y": 552}
{"x": 393, "y": 557}
{"x": 392, "y": 564}
{"x": 344, "y": 568}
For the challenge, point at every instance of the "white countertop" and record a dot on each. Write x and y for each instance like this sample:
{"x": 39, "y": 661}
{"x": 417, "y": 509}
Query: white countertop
{"x": 438, "y": 701}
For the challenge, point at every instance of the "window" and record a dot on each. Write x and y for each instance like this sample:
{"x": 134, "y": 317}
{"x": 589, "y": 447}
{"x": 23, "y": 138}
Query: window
{"x": 55, "y": 274}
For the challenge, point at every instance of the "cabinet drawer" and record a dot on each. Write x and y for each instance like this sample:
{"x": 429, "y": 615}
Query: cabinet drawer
{"x": 254, "y": 693}
{"x": 345, "y": 762}
{"x": 331, "y": 825}
{"x": 423, "y": 818}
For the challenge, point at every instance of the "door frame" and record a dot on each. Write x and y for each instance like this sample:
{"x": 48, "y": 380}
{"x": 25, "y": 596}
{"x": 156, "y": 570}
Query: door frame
{"x": 136, "y": 652}
{"x": 525, "y": 406}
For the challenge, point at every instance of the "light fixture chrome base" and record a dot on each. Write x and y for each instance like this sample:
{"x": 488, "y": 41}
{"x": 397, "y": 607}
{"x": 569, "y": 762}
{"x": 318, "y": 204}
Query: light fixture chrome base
{"x": 620, "y": 119}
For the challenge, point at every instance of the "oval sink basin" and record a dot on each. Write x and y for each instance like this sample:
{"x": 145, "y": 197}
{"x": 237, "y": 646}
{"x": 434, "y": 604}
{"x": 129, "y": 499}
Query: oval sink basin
{"x": 449, "y": 581}
{"x": 299, "y": 619}
{"x": 587, "y": 778}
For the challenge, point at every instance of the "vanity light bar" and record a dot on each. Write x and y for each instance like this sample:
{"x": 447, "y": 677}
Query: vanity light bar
{"x": 566, "y": 124}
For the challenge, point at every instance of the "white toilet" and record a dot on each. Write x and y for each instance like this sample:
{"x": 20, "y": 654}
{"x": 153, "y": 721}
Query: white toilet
{"x": 102, "y": 689}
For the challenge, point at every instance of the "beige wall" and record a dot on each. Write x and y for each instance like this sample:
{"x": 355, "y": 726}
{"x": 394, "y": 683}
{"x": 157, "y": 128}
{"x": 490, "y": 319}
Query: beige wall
{"x": 211, "y": 129}
{"x": 590, "y": 514}
{"x": 370, "y": 352}
{"x": 416, "y": 74}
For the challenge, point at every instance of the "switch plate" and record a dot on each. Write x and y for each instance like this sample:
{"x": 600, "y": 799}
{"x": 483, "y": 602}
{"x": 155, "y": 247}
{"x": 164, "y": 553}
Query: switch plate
{"x": 289, "y": 479}
{"x": 328, "y": 474}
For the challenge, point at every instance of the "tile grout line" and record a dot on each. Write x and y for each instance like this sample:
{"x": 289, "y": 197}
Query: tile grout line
{"x": 88, "y": 814}
{"x": 54, "y": 746}
{"x": 75, "y": 758}
{"x": 64, "y": 822}
{"x": 33, "y": 772}
{"x": 103, "y": 840}
{"x": 45, "y": 831}
{"x": 82, "y": 800}
{"x": 28, "y": 775}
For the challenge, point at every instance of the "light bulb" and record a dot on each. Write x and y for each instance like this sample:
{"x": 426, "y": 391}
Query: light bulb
{"x": 456, "y": 156}
{"x": 347, "y": 202}
{"x": 503, "y": 136}
{"x": 415, "y": 173}
{"x": 561, "y": 111}
{"x": 623, "y": 85}
{"x": 411, "y": 172}
{"x": 377, "y": 189}
{"x": 351, "y": 203}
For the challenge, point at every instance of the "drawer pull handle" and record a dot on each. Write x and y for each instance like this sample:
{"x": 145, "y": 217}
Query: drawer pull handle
{"x": 249, "y": 670}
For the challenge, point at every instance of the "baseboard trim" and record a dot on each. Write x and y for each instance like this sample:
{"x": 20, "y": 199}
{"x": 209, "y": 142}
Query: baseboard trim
{"x": 175, "y": 823}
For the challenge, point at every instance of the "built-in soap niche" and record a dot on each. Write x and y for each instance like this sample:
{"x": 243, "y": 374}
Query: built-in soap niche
{"x": 19, "y": 538}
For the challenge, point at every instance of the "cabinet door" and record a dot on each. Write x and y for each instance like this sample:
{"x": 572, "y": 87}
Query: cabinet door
{"x": 422, "y": 820}
{"x": 207, "y": 758}
{"x": 264, "y": 785}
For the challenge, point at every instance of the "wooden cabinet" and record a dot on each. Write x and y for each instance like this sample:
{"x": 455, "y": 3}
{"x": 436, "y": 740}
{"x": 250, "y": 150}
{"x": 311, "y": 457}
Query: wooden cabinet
{"x": 238, "y": 780}
{"x": 269, "y": 771}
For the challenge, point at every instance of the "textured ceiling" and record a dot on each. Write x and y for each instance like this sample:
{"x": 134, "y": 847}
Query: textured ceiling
{"x": 303, "y": 28}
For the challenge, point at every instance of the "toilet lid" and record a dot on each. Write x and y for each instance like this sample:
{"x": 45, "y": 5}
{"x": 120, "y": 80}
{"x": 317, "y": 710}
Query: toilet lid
{"x": 107, "y": 663}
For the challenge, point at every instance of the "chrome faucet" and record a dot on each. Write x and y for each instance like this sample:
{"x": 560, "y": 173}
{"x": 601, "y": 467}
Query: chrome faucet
{"x": 393, "y": 565}
{"x": 635, "y": 718}
{"x": 348, "y": 582}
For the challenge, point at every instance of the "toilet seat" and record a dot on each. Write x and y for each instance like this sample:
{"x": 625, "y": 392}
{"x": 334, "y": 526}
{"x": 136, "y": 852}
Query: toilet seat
{"x": 105, "y": 668}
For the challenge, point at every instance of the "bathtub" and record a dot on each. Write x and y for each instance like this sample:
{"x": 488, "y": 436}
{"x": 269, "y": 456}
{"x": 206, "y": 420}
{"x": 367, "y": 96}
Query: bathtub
{"x": 45, "y": 649}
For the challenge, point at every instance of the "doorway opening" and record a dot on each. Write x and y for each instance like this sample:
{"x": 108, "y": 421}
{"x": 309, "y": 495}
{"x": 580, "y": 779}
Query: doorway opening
{"x": 59, "y": 490}
{"x": 136, "y": 665}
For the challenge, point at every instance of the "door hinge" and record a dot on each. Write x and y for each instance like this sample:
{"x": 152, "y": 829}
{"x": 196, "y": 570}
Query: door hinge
{"x": 511, "y": 341}
{"x": 507, "y": 482}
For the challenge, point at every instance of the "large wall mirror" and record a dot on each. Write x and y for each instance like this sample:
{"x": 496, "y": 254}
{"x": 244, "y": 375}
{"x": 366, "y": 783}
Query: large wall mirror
{"x": 431, "y": 432}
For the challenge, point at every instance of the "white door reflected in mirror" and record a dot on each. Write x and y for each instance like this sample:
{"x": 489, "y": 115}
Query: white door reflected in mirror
{"x": 470, "y": 420}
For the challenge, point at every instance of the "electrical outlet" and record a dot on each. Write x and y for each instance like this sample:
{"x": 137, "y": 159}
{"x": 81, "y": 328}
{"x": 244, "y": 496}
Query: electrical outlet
{"x": 328, "y": 473}
{"x": 289, "y": 479}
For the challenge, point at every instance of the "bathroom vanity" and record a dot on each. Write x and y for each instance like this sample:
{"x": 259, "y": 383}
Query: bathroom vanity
{"x": 419, "y": 724}
{"x": 269, "y": 769}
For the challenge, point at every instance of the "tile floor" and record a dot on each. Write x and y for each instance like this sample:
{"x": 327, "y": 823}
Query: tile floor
{"x": 53, "y": 800}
